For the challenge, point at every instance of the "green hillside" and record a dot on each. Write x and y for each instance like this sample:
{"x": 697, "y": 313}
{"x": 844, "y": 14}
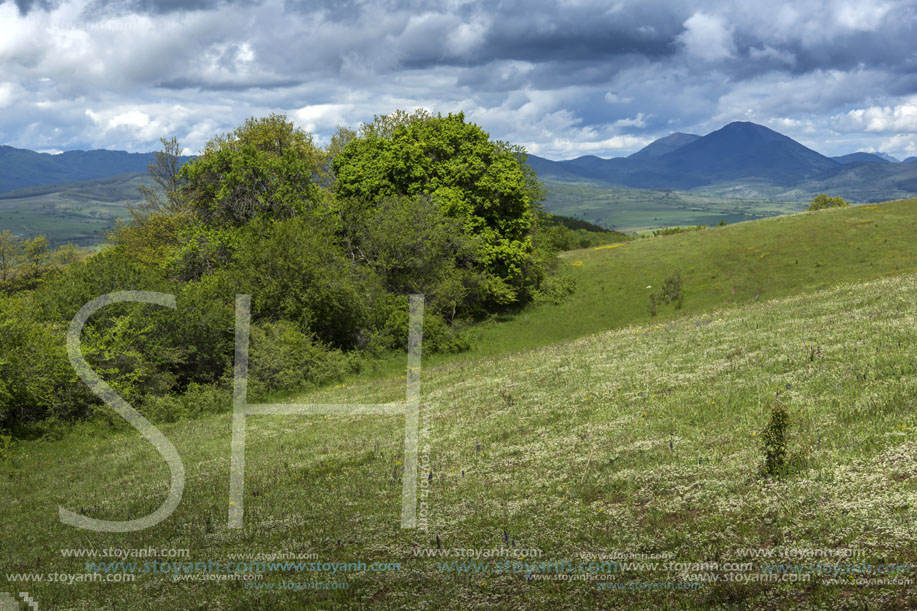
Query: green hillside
{"x": 637, "y": 210}
{"x": 79, "y": 212}
{"x": 641, "y": 444}
{"x": 727, "y": 266}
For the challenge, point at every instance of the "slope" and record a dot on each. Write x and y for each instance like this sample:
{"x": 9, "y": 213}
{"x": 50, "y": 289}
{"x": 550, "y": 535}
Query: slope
{"x": 78, "y": 212}
{"x": 640, "y": 444}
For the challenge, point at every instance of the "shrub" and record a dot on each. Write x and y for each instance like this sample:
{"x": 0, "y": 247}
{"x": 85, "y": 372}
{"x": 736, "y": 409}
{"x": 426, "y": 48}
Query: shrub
{"x": 822, "y": 200}
{"x": 674, "y": 230}
{"x": 775, "y": 441}
{"x": 555, "y": 289}
{"x": 672, "y": 291}
{"x": 197, "y": 399}
{"x": 484, "y": 185}
{"x": 6, "y": 448}
{"x": 282, "y": 357}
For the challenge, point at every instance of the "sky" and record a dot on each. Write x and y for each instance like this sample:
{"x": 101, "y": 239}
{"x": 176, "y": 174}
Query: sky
{"x": 564, "y": 78}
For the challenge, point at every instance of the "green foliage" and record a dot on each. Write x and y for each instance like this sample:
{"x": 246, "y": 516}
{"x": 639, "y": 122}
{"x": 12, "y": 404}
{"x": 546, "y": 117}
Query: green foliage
{"x": 671, "y": 291}
{"x": 412, "y": 246}
{"x": 485, "y": 185}
{"x": 674, "y": 230}
{"x": 6, "y": 448}
{"x": 284, "y": 358}
{"x": 774, "y": 437}
{"x": 555, "y": 289}
{"x": 36, "y": 380}
{"x": 195, "y": 401}
{"x": 10, "y": 254}
{"x": 821, "y": 201}
{"x": 266, "y": 167}
{"x": 329, "y": 243}
{"x": 296, "y": 270}
{"x": 560, "y": 237}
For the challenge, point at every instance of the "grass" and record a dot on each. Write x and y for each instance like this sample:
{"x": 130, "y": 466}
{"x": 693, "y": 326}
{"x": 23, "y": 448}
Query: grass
{"x": 639, "y": 440}
{"x": 720, "y": 267}
{"x": 639, "y": 210}
{"x": 81, "y": 213}
{"x": 642, "y": 439}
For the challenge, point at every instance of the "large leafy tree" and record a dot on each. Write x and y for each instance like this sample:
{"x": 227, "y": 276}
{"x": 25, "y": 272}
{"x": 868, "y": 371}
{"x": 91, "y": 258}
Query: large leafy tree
{"x": 266, "y": 167}
{"x": 484, "y": 184}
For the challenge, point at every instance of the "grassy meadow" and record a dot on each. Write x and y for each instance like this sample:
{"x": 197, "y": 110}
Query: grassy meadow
{"x": 640, "y": 210}
{"x": 589, "y": 431}
{"x": 81, "y": 213}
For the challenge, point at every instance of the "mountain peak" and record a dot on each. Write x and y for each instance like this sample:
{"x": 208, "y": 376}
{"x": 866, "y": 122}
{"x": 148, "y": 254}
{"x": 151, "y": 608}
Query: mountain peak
{"x": 665, "y": 145}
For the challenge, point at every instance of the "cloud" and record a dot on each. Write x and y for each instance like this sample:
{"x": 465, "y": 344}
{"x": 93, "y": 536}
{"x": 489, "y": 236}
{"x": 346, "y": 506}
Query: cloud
{"x": 899, "y": 118}
{"x": 560, "y": 76}
{"x": 707, "y": 38}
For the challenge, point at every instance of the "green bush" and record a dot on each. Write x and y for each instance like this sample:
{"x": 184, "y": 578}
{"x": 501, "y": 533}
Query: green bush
{"x": 775, "y": 441}
{"x": 484, "y": 185}
{"x": 281, "y": 357}
{"x": 555, "y": 289}
{"x": 196, "y": 400}
{"x": 6, "y": 448}
{"x": 822, "y": 201}
{"x": 674, "y": 230}
{"x": 671, "y": 291}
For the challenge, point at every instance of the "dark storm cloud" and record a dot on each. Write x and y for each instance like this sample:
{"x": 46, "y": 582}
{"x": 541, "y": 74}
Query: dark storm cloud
{"x": 562, "y": 76}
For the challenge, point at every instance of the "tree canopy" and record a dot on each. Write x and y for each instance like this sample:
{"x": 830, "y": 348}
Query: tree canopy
{"x": 328, "y": 241}
{"x": 484, "y": 184}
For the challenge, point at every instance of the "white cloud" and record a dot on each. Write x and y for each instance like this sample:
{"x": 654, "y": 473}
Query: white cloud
{"x": 898, "y": 118}
{"x": 638, "y": 121}
{"x": 467, "y": 36}
{"x": 7, "y": 94}
{"x": 901, "y": 145}
{"x": 861, "y": 16}
{"x": 707, "y": 38}
{"x": 324, "y": 117}
{"x": 613, "y": 98}
{"x": 554, "y": 76}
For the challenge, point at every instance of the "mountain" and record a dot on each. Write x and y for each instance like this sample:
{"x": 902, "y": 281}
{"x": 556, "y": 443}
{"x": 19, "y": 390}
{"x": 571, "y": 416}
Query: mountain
{"x": 668, "y": 144}
{"x": 743, "y": 150}
{"x": 887, "y": 157}
{"x": 910, "y": 160}
{"x": 860, "y": 158}
{"x": 740, "y": 160}
{"x": 20, "y": 168}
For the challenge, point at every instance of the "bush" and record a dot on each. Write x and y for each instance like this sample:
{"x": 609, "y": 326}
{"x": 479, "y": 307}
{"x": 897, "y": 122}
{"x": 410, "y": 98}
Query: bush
{"x": 6, "y": 448}
{"x": 775, "y": 441}
{"x": 674, "y": 230}
{"x": 281, "y": 357}
{"x": 672, "y": 291}
{"x": 197, "y": 399}
{"x": 555, "y": 289}
{"x": 822, "y": 201}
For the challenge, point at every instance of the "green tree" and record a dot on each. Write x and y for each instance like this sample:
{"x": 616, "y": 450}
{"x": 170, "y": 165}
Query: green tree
{"x": 158, "y": 220}
{"x": 266, "y": 167}
{"x": 11, "y": 250}
{"x": 484, "y": 184}
{"x": 822, "y": 200}
{"x": 414, "y": 247}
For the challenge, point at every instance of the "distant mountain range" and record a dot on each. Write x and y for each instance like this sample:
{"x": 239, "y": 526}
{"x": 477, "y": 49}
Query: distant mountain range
{"x": 741, "y": 160}
{"x": 20, "y": 168}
